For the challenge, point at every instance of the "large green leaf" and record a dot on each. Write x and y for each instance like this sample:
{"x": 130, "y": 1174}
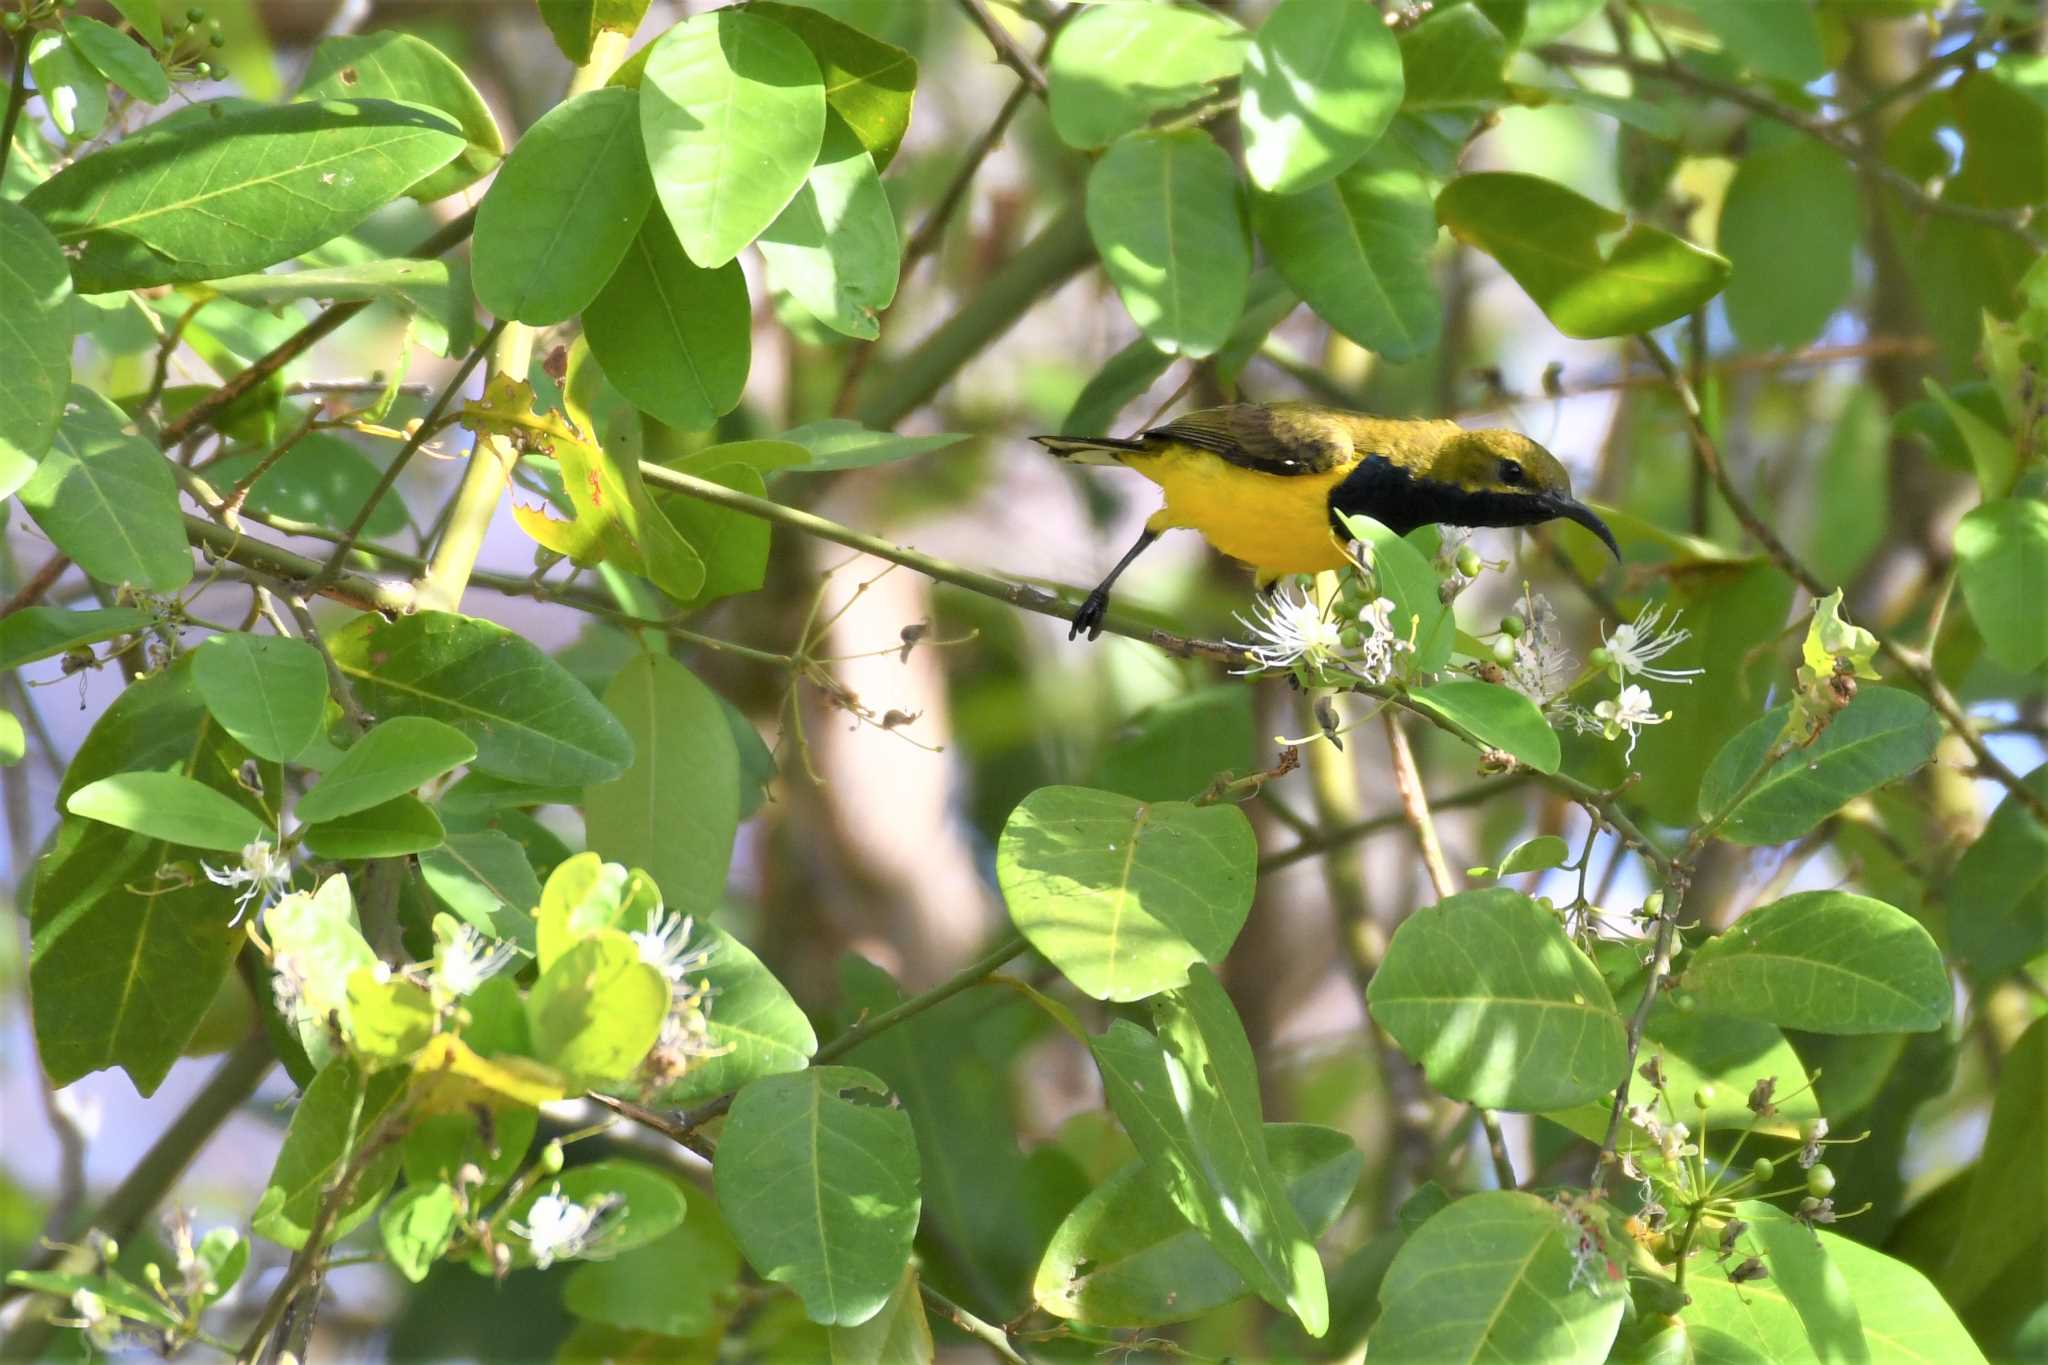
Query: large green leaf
{"x": 732, "y": 110}
{"x": 899, "y": 1334}
{"x": 1356, "y": 248}
{"x": 2007, "y": 1204}
{"x": 1493, "y": 1276}
{"x": 1742, "y": 1323}
{"x": 1487, "y": 991}
{"x": 1126, "y": 1258}
{"x": 527, "y": 715}
{"x": 1452, "y": 59}
{"x": 35, "y": 345}
{"x": 236, "y": 193}
{"x": 1498, "y": 717}
{"x": 171, "y": 807}
{"x": 392, "y": 759}
{"x": 1122, "y": 896}
{"x": 1998, "y": 892}
{"x": 758, "y": 1029}
{"x": 107, "y": 499}
{"x": 575, "y": 24}
{"x": 1878, "y": 738}
{"x": 597, "y": 1009}
{"x": 1189, "y": 1098}
{"x": 1321, "y": 83}
{"x": 1776, "y": 38}
{"x": 130, "y": 943}
{"x": 1551, "y": 240}
{"x": 73, "y": 90}
{"x": 401, "y": 66}
{"x": 389, "y": 829}
{"x": 1904, "y": 1317}
{"x": 483, "y": 876}
{"x": 673, "y": 338}
{"x": 120, "y": 58}
{"x": 268, "y": 691}
{"x": 339, "y": 1112}
{"x": 834, "y": 249}
{"x": 2002, "y": 559}
{"x": 33, "y": 633}
{"x": 1167, "y": 216}
{"x": 1406, "y": 578}
{"x": 733, "y": 545}
{"x": 563, "y": 209}
{"x": 1826, "y": 961}
{"x": 818, "y": 1177}
{"x": 837, "y": 443}
{"x": 1802, "y": 1271}
{"x": 1790, "y": 272}
{"x": 868, "y": 83}
{"x": 1117, "y": 65}
{"x": 675, "y": 810}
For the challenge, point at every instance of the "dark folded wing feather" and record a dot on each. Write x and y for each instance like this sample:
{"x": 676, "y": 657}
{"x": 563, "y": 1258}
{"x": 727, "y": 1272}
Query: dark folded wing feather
{"x": 1272, "y": 440}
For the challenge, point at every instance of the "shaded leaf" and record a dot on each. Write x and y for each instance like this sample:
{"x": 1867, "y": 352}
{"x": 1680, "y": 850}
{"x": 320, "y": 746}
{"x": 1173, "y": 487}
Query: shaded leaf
{"x": 339, "y": 1112}
{"x": 834, "y": 248}
{"x": 1880, "y": 737}
{"x": 1789, "y": 273}
{"x": 35, "y": 348}
{"x": 390, "y": 829}
{"x": 107, "y": 499}
{"x": 1115, "y": 66}
{"x": 672, "y": 337}
{"x": 681, "y": 1284}
{"x": 119, "y": 58}
{"x": 1826, "y": 961}
{"x": 751, "y": 1020}
{"x": 1321, "y": 83}
{"x": 2002, "y": 560}
{"x": 1167, "y": 217}
{"x": 868, "y": 83}
{"x": 1498, "y": 717}
{"x": 268, "y": 691}
{"x": 395, "y": 757}
{"x": 33, "y": 633}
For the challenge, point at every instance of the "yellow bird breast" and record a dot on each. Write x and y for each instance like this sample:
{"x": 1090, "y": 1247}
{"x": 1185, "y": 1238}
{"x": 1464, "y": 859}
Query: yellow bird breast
{"x": 1277, "y": 523}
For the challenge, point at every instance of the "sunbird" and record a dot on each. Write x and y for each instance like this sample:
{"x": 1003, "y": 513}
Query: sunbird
{"x": 1265, "y": 483}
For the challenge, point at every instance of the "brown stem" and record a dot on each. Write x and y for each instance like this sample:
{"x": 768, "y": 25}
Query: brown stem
{"x": 1415, "y": 806}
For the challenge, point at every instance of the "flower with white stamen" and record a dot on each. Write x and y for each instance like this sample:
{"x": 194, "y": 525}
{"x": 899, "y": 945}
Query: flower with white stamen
{"x": 1627, "y": 714}
{"x": 1636, "y": 647}
{"x": 1290, "y": 631}
{"x": 467, "y": 960}
{"x": 665, "y": 946}
{"x": 558, "y": 1229}
{"x": 265, "y": 872}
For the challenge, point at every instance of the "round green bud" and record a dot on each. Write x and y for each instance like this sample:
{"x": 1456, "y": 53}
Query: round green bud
{"x": 1468, "y": 562}
{"x": 1504, "y": 652}
{"x": 551, "y": 1157}
{"x": 1653, "y": 905}
{"x": 1820, "y": 1181}
{"x": 1351, "y": 637}
{"x": 1512, "y": 625}
{"x": 194, "y": 15}
{"x": 12, "y": 22}
{"x": 203, "y": 70}
{"x": 110, "y": 1251}
{"x": 1704, "y": 1096}
{"x": 1600, "y": 657}
{"x": 1763, "y": 1168}
{"x": 217, "y": 39}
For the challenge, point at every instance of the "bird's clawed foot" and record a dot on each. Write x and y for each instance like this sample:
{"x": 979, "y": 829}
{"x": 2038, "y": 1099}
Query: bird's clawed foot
{"x": 1089, "y": 618}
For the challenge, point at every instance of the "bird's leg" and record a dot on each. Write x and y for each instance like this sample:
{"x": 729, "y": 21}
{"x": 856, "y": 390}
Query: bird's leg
{"x": 1096, "y": 605}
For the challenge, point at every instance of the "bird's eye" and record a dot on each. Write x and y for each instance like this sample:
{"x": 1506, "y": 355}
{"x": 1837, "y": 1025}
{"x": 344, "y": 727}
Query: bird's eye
{"x": 1510, "y": 472}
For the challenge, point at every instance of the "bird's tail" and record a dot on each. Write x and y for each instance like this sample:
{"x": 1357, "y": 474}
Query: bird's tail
{"x": 1092, "y": 449}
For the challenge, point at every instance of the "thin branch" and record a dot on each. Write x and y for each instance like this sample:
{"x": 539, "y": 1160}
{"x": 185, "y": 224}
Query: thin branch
{"x": 1007, "y": 51}
{"x": 17, "y": 95}
{"x": 357, "y": 590}
{"x": 1415, "y": 806}
{"x": 1497, "y": 1148}
{"x": 1318, "y": 842}
{"x": 39, "y": 582}
{"x": 990, "y": 1335}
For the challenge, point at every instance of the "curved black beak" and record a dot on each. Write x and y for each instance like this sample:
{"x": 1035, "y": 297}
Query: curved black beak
{"x": 1583, "y": 515}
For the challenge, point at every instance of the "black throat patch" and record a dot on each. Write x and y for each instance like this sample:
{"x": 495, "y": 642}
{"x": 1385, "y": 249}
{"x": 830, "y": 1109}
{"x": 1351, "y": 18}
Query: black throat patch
{"x": 1390, "y": 495}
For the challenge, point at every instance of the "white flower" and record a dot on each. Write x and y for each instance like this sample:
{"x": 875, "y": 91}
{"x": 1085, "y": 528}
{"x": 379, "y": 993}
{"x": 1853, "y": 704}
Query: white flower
{"x": 266, "y": 873}
{"x": 1376, "y": 659}
{"x": 467, "y": 960}
{"x": 1672, "y": 1142}
{"x": 1289, "y": 631}
{"x": 665, "y": 946}
{"x": 558, "y": 1229}
{"x": 1543, "y": 667}
{"x": 1636, "y": 647}
{"x": 1628, "y": 713}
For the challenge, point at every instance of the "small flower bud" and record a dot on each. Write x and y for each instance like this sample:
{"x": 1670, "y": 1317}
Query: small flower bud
{"x": 1468, "y": 562}
{"x": 217, "y": 39}
{"x": 12, "y": 21}
{"x": 1763, "y": 1168}
{"x": 1820, "y": 1182}
{"x": 1653, "y": 905}
{"x": 1512, "y": 626}
{"x": 194, "y": 15}
{"x": 1705, "y": 1096}
{"x": 1504, "y": 651}
{"x": 110, "y": 1250}
{"x": 551, "y": 1157}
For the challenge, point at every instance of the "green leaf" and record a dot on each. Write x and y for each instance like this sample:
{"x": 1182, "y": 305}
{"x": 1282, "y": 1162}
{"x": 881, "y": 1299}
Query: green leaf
{"x": 438, "y": 1146}
{"x": 267, "y": 691}
{"x": 575, "y": 24}
{"x": 416, "y": 1227}
{"x": 401, "y": 66}
{"x": 1775, "y": 38}
{"x": 1321, "y": 83}
{"x": 1826, "y": 961}
{"x": 484, "y": 878}
{"x": 527, "y": 715}
{"x": 130, "y": 941}
{"x": 1789, "y": 272}
{"x": 645, "y": 1204}
{"x": 322, "y": 479}
{"x": 1172, "y": 751}
{"x": 838, "y": 443}
{"x": 1991, "y": 451}
{"x": 144, "y": 16}
{"x": 585, "y": 894}
{"x": 818, "y": 1178}
{"x": 1849, "y": 525}
{"x": 1126, "y": 1258}
{"x": 236, "y": 193}
{"x": 732, "y": 109}
{"x": 671, "y": 337}
{"x": 1904, "y": 1317}
{"x": 171, "y": 807}
{"x": 1357, "y": 250}
{"x": 13, "y": 740}
{"x": 72, "y": 90}
{"x": 1878, "y": 738}
{"x": 1167, "y": 217}
{"x": 834, "y": 249}
{"x": 1189, "y": 1098}
{"x": 2007, "y": 1203}
{"x": 563, "y": 209}
{"x": 1122, "y": 896}
{"x": 733, "y": 545}
{"x": 390, "y": 829}
{"x": 1498, "y": 717}
{"x": 1534, "y": 855}
{"x": 898, "y": 1335}
{"x": 674, "y": 812}
{"x": 868, "y": 83}
{"x": 107, "y": 499}
{"x": 1550, "y": 238}
{"x": 119, "y": 58}
{"x": 1493, "y": 1275}
{"x": 339, "y": 1112}
{"x": 438, "y": 293}
{"x": 33, "y": 633}
{"x": 1403, "y": 575}
{"x": 2001, "y": 883}
{"x": 35, "y": 348}
{"x": 1452, "y": 60}
{"x": 1115, "y": 66}
{"x": 751, "y": 1018}
{"x": 680, "y": 1284}
{"x": 2002, "y": 559}
{"x": 1487, "y": 991}
{"x": 597, "y": 1009}
{"x": 394, "y": 758}
{"x": 1801, "y": 1269}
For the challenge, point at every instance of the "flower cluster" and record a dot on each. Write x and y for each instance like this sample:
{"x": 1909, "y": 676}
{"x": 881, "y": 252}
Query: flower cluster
{"x": 1540, "y": 667}
{"x": 685, "y": 1037}
{"x": 1290, "y": 632}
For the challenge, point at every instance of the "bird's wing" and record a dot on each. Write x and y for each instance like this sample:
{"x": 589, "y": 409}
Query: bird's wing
{"x": 1280, "y": 439}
